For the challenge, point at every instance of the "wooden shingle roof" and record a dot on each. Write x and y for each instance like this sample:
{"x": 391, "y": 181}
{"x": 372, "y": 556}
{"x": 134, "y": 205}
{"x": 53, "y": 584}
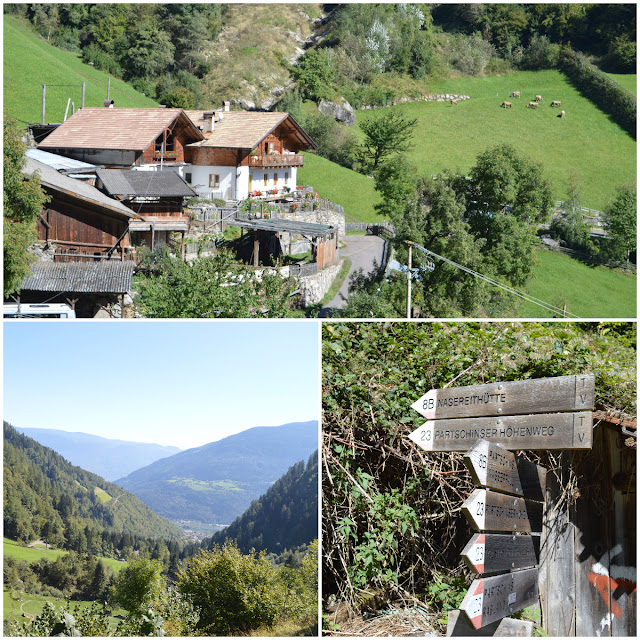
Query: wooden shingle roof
{"x": 246, "y": 129}
{"x": 129, "y": 129}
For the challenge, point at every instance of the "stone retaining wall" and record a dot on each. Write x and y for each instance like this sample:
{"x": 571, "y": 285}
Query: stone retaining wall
{"x": 432, "y": 97}
{"x": 319, "y": 216}
{"x": 315, "y": 287}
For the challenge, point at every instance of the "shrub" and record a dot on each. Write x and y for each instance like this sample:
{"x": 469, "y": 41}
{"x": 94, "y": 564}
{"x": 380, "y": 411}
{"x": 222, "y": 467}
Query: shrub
{"x": 232, "y": 592}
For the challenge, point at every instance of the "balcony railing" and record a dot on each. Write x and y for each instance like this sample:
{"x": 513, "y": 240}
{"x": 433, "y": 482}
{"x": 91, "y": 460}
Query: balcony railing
{"x": 277, "y": 160}
{"x": 166, "y": 155}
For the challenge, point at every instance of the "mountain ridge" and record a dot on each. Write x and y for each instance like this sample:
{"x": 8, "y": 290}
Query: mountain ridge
{"x": 109, "y": 458}
{"x": 216, "y": 482}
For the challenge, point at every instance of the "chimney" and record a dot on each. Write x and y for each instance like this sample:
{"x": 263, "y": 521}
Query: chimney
{"x": 226, "y": 105}
{"x": 108, "y": 104}
{"x": 208, "y": 118}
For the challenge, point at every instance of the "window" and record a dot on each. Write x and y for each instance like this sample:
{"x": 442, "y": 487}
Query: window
{"x": 266, "y": 179}
{"x": 187, "y": 177}
{"x": 275, "y": 179}
{"x": 214, "y": 180}
{"x": 250, "y": 181}
{"x": 286, "y": 177}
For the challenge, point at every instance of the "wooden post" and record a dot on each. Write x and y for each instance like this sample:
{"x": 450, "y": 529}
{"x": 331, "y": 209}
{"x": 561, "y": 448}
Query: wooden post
{"x": 409, "y": 285}
{"x": 256, "y": 248}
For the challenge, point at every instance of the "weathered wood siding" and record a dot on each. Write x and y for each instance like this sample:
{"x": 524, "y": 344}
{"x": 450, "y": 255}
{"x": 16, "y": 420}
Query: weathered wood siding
{"x": 588, "y": 553}
{"x": 88, "y": 230}
{"x": 326, "y": 252}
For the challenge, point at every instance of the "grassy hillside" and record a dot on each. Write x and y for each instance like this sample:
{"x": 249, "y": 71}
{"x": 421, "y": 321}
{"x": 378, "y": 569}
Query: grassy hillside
{"x": 585, "y": 141}
{"x": 15, "y": 604}
{"x": 590, "y": 292}
{"x": 30, "y": 62}
{"x": 33, "y": 554}
{"x": 352, "y": 190}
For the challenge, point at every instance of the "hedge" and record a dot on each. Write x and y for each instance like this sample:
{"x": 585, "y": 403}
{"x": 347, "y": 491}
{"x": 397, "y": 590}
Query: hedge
{"x": 611, "y": 97}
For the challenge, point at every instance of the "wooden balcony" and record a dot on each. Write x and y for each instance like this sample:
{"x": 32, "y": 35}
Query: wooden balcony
{"x": 277, "y": 160}
{"x": 167, "y": 156}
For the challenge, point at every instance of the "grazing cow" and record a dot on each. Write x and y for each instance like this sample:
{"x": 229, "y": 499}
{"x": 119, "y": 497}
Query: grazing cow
{"x": 454, "y": 102}
{"x": 538, "y": 98}
{"x": 507, "y": 105}
{"x": 533, "y": 105}
{"x": 556, "y": 103}
{"x": 562, "y": 114}
{"x": 515, "y": 94}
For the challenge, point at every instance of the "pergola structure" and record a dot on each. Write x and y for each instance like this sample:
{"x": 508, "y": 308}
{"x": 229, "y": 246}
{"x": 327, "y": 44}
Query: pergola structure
{"x": 323, "y": 237}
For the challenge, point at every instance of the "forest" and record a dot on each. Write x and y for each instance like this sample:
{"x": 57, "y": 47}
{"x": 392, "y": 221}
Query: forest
{"x": 165, "y": 582}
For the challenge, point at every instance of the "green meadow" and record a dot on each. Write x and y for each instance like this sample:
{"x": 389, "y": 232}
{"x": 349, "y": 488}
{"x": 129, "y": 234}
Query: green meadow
{"x": 588, "y": 292}
{"x": 17, "y": 603}
{"x": 586, "y": 141}
{"x": 30, "y": 62}
{"x": 33, "y": 554}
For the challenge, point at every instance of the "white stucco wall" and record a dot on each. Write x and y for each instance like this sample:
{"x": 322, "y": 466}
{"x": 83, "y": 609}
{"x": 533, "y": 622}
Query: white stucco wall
{"x": 279, "y": 183}
{"x": 200, "y": 181}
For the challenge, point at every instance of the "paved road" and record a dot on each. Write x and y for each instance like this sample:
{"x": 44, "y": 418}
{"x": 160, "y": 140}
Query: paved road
{"x": 362, "y": 250}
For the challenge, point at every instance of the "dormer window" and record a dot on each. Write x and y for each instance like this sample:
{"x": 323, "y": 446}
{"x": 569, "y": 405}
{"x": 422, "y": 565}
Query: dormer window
{"x": 165, "y": 142}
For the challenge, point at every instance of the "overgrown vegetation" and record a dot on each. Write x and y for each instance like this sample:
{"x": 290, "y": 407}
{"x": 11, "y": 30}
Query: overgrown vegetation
{"x": 392, "y": 527}
{"x": 23, "y": 200}
{"x": 213, "y": 287}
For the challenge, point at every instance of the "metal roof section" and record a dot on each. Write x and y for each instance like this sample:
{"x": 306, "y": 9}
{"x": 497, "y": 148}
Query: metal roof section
{"x": 286, "y": 226}
{"x": 128, "y": 129}
{"x": 127, "y": 182}
{"x": 105, "y": 276}
{"x": 57, "y": 162}
{"x": 246, "y": 129}
{"x": 78, "y": 189}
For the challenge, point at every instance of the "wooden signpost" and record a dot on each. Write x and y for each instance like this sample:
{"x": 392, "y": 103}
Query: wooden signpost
{"x": 494, "y": 468}
{"x": 491, "y": 511}
{"x": 537, "y": 431}
{"x": 490, "y": 552}
{"x": 486, "y": 421}
{"x": 543, "y": 395}
{"x": 490, "y": 599}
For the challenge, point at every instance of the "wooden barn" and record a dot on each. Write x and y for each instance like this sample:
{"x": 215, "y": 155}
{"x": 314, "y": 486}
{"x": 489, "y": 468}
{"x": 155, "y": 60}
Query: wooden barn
{"x": 79, "y": 221}
{"x": 244, "y": 152}
{"x": 128, "y": 137}
{"x": 157, "y": 197}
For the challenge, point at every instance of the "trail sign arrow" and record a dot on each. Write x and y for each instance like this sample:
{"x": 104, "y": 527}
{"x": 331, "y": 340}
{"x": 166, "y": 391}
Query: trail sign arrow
{"x": 490, "y": 599}
{"x": 542, "y": 395}
{"x": 491, "y": 511}
{"x": 490, "y": 552}
{"x": 539, "y": 431}
{"x": 494, "y": 467}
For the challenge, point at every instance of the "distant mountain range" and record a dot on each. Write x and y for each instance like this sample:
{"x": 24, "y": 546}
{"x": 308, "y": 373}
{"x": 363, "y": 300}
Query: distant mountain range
{"x": 108, "y": 458}
{"x": 285, "y": 517}
{"x": 47, "y": 497}
{"x": 217, "y": 482}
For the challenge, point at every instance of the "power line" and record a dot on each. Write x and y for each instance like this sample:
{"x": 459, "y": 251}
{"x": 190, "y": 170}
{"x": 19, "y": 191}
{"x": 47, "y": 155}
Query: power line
{"x": 541, "y": 303}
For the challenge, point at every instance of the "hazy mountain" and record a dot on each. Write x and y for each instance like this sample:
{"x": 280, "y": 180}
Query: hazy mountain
{"x": 285, "y": 517}
{"x": 108, "y": 458}
{"x": 45, "y": 496}
{"x": 216, "y": 483}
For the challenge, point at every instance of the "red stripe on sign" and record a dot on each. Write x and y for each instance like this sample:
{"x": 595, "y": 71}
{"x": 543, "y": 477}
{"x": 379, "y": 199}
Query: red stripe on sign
{"x": 479, "y": 568}
{"x": 480, "y": 539}
{"x": 476, "y": 622}
{"x": 479, "y": 588}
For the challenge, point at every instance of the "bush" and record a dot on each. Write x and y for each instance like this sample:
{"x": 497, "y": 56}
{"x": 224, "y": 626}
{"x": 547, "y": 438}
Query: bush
{"x": 540, "y": 54}
{"x": 470, "y": 55}
{"x": 232, "y": 592}
{"x": 601, "y": 89}
{"x": 335, "y": 142}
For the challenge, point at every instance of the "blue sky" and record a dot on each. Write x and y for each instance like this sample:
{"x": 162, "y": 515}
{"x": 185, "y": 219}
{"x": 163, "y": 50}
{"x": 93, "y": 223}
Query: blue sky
{"x": 173, "y": 383}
